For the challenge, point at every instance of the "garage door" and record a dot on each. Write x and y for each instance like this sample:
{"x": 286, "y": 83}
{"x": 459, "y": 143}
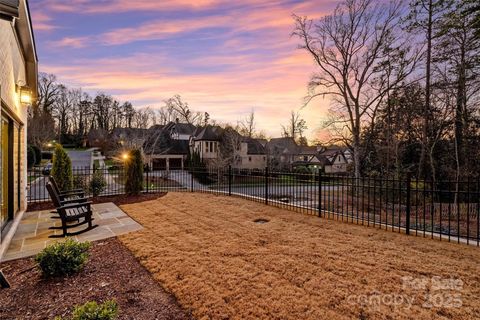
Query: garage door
{"x": 175, "y": 164}
{"x": 159, "y": 164}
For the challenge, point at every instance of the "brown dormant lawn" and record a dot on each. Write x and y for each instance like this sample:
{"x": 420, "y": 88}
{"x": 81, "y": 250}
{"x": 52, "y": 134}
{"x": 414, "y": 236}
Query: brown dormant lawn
{"x": 210, "y": 254}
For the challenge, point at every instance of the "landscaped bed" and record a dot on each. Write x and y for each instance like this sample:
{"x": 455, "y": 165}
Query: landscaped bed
{"x": 111, "y": 273}
{"x": 221, "y": 262}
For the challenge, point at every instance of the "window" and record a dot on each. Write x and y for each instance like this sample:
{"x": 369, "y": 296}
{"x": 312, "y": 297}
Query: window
{"x": 250, "y": 159}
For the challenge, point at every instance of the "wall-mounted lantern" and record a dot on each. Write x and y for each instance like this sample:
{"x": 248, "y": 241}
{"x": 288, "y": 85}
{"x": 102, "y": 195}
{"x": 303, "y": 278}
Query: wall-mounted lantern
{"x": 25, "y": 94}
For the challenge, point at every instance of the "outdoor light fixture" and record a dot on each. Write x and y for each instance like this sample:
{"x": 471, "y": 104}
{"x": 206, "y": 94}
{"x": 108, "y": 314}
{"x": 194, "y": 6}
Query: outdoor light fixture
{"x": 25, "y": 94}
{"x": 125, "y": 156}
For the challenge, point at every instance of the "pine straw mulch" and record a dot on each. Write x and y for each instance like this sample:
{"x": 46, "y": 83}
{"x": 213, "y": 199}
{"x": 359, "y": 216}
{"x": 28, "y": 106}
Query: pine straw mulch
{"x": 209, "y": 253}
{"x": 112, "y": 272}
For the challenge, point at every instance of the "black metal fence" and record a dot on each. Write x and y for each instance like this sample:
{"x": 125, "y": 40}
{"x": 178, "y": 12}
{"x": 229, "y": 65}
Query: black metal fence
{"x": 446, "y": 210}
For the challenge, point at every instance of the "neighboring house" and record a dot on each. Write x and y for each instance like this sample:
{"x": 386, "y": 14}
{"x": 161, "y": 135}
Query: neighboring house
{"x": 309, "y": 156}
{"x": 205, "y": 142}
{"x": 282, "y": 153}
{"x": 338, "y": 162}
{"x": 252, "y": 155}
{"x": 18, "y": 87}
{"x": 165, "y": 153}
{"x": 167, "y": 147}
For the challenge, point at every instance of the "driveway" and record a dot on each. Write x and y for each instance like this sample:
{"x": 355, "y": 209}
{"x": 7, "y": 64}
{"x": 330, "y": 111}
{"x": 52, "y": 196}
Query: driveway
{"x": 80, "y": 158}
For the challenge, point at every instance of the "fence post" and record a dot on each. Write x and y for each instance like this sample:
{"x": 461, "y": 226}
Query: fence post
{"x": 229, "y": 180}
{"x": 191, "y": 178}
{"x": 266, "y": 185}
{"x": 148, "y": 181}
{"x": 408, "y": 208}
{"x": 319, "y": 192}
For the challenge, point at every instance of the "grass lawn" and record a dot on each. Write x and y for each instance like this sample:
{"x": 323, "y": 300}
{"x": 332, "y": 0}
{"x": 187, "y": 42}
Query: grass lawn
{"x": 208, "y": 251}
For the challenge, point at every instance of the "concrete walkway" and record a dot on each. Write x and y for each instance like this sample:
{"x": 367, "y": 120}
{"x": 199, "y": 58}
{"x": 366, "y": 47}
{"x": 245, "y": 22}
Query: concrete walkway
{"x": 33, "y": 233}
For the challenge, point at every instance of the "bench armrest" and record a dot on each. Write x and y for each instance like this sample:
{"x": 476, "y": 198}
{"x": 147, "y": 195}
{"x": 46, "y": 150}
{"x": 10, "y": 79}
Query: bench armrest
{"x": 74, "y": 191}
{"x": 78, "y": 200}
{"x": 75, "y": 205}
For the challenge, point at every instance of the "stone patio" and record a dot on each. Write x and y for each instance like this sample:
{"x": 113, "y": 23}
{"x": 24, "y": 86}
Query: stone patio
{"x": 33, "y": 231}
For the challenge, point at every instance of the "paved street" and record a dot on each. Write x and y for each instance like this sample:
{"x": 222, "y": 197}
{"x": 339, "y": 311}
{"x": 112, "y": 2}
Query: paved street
{"x": 80, "y": 160}
{"x": 295, "y": 194}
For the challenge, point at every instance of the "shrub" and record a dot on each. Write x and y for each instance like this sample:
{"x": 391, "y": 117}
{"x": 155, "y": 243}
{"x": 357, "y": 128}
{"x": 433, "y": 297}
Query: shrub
{"x": 38, "y": 154}
{"x": 198, "y": 168}
{"x": 31, "y": 160}
{"x": 63, "y": 258}
{"x": 94, "y": 311}
{"x": 97, "y": 183}
{"x": 134, "y": 172}
{"x": 79, "y": 182}
{"x": 62, "y": 168}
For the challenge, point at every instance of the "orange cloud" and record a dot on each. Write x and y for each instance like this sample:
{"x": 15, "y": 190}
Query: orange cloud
{"x": 272, "y": 89}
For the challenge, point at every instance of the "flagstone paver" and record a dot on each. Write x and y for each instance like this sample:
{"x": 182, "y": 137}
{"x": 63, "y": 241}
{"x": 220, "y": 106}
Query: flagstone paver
{"x": 33, "y": 231}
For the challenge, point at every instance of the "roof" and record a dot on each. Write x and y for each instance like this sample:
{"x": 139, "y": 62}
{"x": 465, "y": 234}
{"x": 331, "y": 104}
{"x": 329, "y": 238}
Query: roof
{"x": 9, "y": 8}
{"x": 284, "y": 145}
{"x": 208, "y": 133}
{"x": 262, "y": 141}
{"x": 162, "y": 143}
{"x": 254, "y": 146}
{"x": 184, "y": 128}
{"x": 157, "y": 127}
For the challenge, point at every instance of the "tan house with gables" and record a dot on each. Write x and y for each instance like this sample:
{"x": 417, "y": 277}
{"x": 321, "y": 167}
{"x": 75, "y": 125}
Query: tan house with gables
{"x": 18, "y": 87}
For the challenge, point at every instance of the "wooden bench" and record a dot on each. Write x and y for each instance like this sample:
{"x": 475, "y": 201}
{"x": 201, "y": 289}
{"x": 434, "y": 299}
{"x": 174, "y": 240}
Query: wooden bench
{"x": 71, "y": 212}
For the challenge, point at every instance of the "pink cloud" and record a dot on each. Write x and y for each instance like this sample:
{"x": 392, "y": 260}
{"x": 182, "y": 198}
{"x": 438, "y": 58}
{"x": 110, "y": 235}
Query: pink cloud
{"x": 42, "y": 21}
{"x": 96, "y": 7}
{"x": 272, "y": 89}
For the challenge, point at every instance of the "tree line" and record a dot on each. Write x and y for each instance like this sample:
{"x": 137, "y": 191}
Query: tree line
{"x": 403, "y": 78}
{"x": 67, "y": 115}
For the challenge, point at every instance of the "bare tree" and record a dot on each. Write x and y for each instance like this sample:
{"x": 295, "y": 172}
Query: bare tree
{"x": 182, "y": 110}
{"x": 143, "y": 118}
{"x": 47, "y": 92}
{"x": 248, "y": 125}
{"x": 295, "y": 128}
{"x": 61, "y": 109}
{"x": 351, "y": 48}
{"x": 229, "y": 147}
{"x": 41, "y": 125}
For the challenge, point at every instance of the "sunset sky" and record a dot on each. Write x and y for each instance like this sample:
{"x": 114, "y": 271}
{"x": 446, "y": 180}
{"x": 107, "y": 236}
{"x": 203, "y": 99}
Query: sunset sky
{"x": 222, "y": 57}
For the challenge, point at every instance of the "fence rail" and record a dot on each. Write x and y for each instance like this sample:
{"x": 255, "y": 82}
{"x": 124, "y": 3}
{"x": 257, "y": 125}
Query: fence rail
{"x": 447, "y": 210}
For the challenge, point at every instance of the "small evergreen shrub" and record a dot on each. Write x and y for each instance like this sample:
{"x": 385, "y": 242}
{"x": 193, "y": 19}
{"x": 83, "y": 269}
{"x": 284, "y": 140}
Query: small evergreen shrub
{"x": 38, "y": 154}
{"x": 97, "y": 183}
{"x": 31, "y": 159}
{"x": 63, "y": 258}
{"x": 94, "y": 311}
{"x": 134, "y": 173}
{"x": 198, "y": 168}
{"x": 62, "y": 168}
{"x": 79, "y": 182}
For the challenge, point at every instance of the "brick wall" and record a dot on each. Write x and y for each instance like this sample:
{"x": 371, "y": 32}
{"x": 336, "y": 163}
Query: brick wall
{"x": 12, "y": 71}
